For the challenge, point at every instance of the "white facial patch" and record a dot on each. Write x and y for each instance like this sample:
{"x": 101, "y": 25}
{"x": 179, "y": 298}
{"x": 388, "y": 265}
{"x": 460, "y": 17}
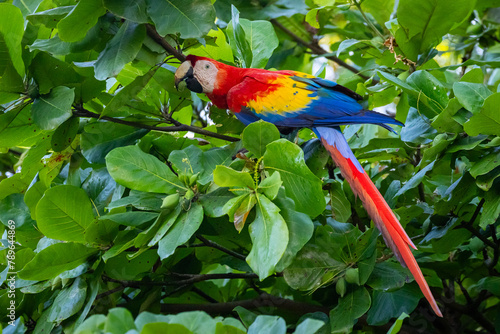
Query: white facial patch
{"x": 206, "y": 74}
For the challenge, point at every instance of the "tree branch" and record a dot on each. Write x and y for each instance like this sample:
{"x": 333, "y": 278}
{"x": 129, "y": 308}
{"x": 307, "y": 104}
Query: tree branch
{"x": 81, "y": 112}
{"x": 319, "y": 50}
{"x": 221, "y": 248}
{"x": 264, "y": 300}
{"x": 151, "y": 31}
{"x": 188, "y": 279}
{"x": 468, "y": 226}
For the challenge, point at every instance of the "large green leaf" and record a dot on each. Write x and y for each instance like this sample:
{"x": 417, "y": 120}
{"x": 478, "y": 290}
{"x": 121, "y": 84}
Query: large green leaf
{"x": 425, "y": 24}
{"x": 387, "y": 305}
{"x": 300, "y": 229}
{"x": 487, "y": 121}
{"x": 99, "y": 138}
{"x": 269, "y": 234}
{"x": 50, "y": 111}
{"x": 349, "y": 308}
{"x": 69, "y": 301}
{"x": 192, "y": 19}
{"x": 49, "y": 17}
{"x": 267, "y": 324}
{"x": 127, "y": 93}
{"x": 228, "y": 177}
{"x": 257, "y": 135}
{"x": 300, "y": 183}
{"x": 182, "y": 230}
{"x": 55, "y": 259}
{"x": 82, "y": 17}
{"x": 133, "y": 10}
{"x": 471, "y": 95}
{"x": 11, "y": 34}
{"x": 120, "y": 50}
{"x": 131, "y": 167}
{"x": 255, "y": 44}
{"x": 64, "y": 212}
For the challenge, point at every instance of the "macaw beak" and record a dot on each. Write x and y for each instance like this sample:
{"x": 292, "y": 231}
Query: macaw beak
{"x": 185, "y": 73}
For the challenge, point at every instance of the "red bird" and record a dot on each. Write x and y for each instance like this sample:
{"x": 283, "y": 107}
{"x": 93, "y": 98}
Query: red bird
{"x": 294, "y": 99}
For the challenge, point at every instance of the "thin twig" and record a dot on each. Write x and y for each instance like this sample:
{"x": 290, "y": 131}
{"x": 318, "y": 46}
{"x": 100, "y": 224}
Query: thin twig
{"x": 469, "y": 226}
{"x": 81, "y": 112}
{"x": 319, "y": 50}
{"x": 221, "y": 248}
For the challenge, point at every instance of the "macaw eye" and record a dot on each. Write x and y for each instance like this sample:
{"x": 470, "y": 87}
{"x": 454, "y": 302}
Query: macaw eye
{"x": 207, "y": 66}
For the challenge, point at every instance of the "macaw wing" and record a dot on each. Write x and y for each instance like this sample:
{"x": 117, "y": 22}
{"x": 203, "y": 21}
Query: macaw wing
{"x": 293, "y": 99}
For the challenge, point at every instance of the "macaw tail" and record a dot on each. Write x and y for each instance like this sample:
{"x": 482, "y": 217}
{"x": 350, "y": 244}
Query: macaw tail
{"x": 378, "y": 209}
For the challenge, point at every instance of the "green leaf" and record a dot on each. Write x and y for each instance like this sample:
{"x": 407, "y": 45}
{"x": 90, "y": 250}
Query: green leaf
{"x": 99, "y": 138}
{"x": 253, "y": 42}
{"x": 415, "y": 180}
{"x": 131, "y": 167}
{"x": 221, "y": 51}
{"x": 341, "y": 207}
{"x": 269, "y": 235}
{"x": 310, "y": 326}
{"x": 69, "y": 301}
{"x": 350, "y": 308}
{"x": 396, "y": 327}
{"x": 82, "y": 17}
{"x": 425, "y": 24}
{"x": 119, "y": 321}
{"x": 214, "y": 201}
{"x": 17, "y": 128}
{"x": 65, "y": 134}
{"x": 257, "y": 135}
{"x": 271, "y": 185}
{"x": 54, "y": 260}
{"x": 182, "y": 230}
{"x": 228, "y": 177}
{"x": 133, "y": 218}
{"x": 300, "y": 183}
{"x": 381, "y": 10}
{"x": 267, "y": 324}
{"x": 11, "y": 35}
{"x": 192, "y": 19}
{"x": 121, "y": 267}
{"x": 50, "y": 111}
{"x": 300, "y": 229}
{"x": 388, "y": 276}
{"x": 491, "y": 208}
{"x": 133, "y": 10}
{"x": 127, "y": 93}
{"x": 120, "y": 50}
{"x": 471, "y": 95}
{"x": 64, "y": 212}
{"x": 485, "y": 165}
{"x": 238, "y": 40}
{"x": 487, "y": 121}
{"x": 387, "y": 305}
{"x": 13, "y": 208}
{"x": 49, "y": 17}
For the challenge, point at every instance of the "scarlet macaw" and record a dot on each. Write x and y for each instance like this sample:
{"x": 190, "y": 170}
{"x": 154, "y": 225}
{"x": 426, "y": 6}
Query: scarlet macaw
{"x": 295, "y": 99}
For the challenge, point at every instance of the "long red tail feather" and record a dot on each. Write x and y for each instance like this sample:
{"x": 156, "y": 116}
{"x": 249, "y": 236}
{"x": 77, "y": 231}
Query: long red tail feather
{"x": 382, "y": 215}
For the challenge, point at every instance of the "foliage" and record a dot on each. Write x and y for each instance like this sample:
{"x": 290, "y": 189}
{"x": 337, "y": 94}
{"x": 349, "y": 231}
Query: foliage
{"x": 137, "y": 209}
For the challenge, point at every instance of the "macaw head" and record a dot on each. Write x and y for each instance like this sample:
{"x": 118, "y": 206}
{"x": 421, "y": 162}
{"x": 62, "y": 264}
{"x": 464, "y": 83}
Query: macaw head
{"x": 199, "y": 74}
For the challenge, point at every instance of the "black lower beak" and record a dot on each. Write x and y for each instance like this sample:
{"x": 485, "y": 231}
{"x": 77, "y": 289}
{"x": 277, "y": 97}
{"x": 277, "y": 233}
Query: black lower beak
{"x": 191, "y": 82}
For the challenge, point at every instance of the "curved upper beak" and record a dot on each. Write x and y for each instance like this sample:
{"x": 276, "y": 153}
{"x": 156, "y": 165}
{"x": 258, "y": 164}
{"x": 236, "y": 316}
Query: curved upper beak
{"x": 184, "y": 72}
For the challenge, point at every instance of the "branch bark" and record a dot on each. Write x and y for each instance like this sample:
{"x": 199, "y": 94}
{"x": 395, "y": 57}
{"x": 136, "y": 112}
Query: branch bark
{"x": 151, "y": 31}
{"x": 81, "y": 112}
{"x": 319, "y": 50}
